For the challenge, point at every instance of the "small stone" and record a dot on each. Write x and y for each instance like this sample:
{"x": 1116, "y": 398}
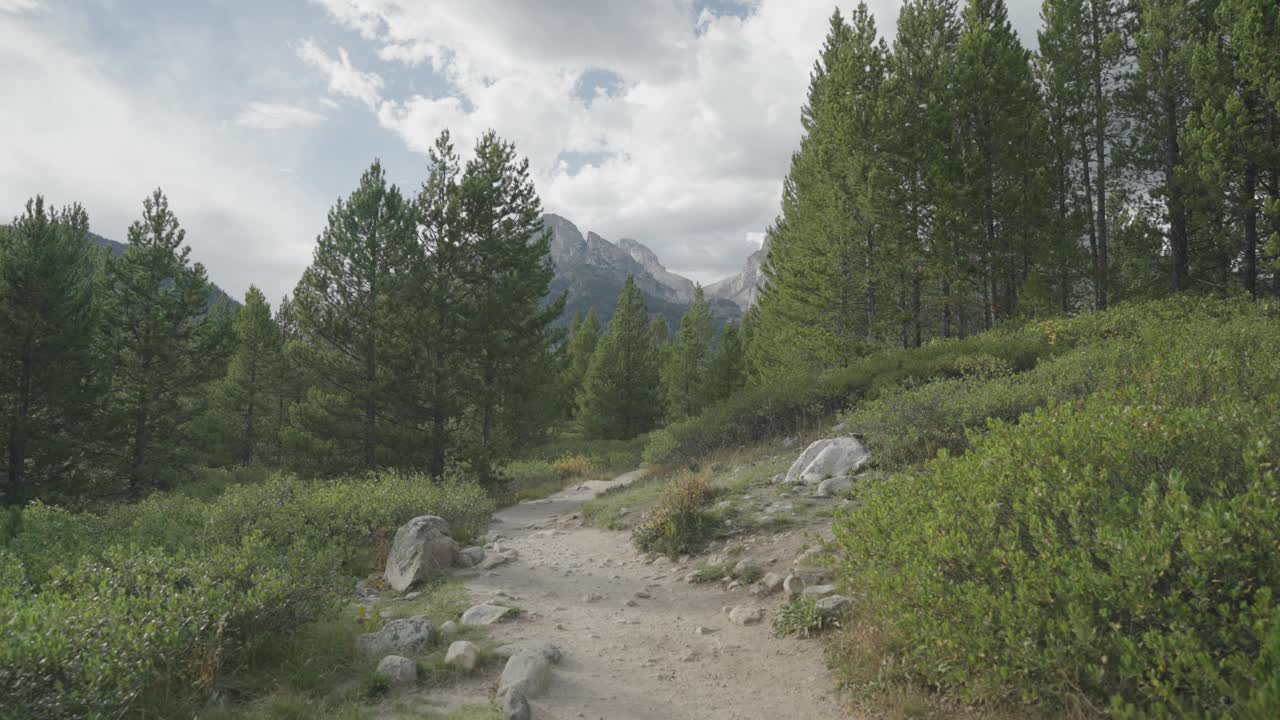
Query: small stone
{"x": 398, "y": 671}
{"x": 770, "y": 583}
{"x": 462, "y": 654}
{"x": 408, "y": 635}
{"x": 703, "y": 630}
{"x": 819, "y": 591}
{"x": 746, "y": 616}
{"x": 449, "y": 629}
{"x": 592, "y": 598}
{"x": 413, "y": 595}
{"x": 631, "y": 602}
{"x": 528, "y": 672}
{"x": 793, "y": 585}
{"x": 832, "y": 604}
{"x": 643, "y": 595}
{"x": 484, "y": 614}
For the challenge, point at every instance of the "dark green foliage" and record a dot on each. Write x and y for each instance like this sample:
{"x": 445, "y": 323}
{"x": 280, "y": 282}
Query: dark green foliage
{"x": 584, "y": 334}
{"x": 245, "y": 401}
{"x": 686, "y": 366}
{"x": 620, "y": 395}
{"x": 157, "y": 346}
{"x": 728, "y": 372}
{"x": 47, "y": 383}
{"x": 348, "y": 306}
{"x": 164, "y": 595}
{"x": 1117, "y": 549}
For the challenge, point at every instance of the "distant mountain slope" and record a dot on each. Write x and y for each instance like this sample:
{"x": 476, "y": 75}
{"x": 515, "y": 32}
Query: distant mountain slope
{"x": 592, "y": 270}
{"x": 743, "y": 288}
{"x": 117, "y": 248}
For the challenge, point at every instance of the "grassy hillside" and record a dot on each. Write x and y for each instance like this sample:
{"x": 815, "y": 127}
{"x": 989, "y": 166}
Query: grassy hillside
{"x": 1081, "y": 515}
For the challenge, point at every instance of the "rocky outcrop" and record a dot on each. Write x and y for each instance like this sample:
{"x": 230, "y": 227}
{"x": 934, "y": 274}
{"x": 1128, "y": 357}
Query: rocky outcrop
{"x": 743, "y": 288}
{"x": 825, "y": 459}
{"x": 421, "y": 547}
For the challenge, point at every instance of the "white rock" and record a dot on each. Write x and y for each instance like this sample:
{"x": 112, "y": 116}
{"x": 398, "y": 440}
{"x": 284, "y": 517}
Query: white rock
{"x": 834, "y": 457}
{"x": 484, "y": 614}
{"x": 793, "y": 585}
{"x": 407, "y": 636}
{"x": 819, "y": 591}
{"x": 448, "y": 629}
{"x": 422, "y": 546}
{"x": 462, "y": 654}
{"x": 399, "y": 671}
{"x": 498, "y": 558}
{"x": 746, "y": 616}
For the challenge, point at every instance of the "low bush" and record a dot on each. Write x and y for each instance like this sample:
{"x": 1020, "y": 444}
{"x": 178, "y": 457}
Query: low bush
{"x": 680, "y": 522}
{"x": 572, "y": 465}
{"x": 1115, "y": 553}
{"x": 157, "y": 598}
{"x": 801, "y": 616}
{"x": 604, "y": 456}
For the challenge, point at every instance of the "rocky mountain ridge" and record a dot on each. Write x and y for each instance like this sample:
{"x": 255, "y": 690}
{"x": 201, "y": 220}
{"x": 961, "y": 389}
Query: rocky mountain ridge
{"x": 592, "y": 269}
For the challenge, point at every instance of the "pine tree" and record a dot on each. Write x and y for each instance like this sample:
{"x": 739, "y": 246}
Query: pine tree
{"x": 155, "y": 343}
{"x": 440, "y": 308}
{"x": 584, "y": 335}
{"x": 728, "y": 372}
{"x": 1002, "y": 136}
{"x": 1158, "y": 98}
{"x": 685, "y": 370}
{"x": 46, "y": 363}
{"x": 349, "y": 308}
{"x": 620, "y": 396}
{"x": 245, "y": 399}
{"x": 1231, "y": 137}
{"x": 509, "y": 271}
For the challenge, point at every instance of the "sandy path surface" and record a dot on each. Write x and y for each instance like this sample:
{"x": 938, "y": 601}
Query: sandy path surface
{"x": 629, "y": 630}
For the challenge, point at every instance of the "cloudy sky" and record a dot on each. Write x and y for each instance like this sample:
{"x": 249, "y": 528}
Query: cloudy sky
{"x": 670, "y": 121}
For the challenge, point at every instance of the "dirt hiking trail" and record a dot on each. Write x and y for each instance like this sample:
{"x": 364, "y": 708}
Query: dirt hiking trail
{"x": 639, "y": 641}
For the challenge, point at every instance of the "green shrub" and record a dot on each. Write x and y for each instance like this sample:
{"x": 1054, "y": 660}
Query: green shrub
{"x": 159, "y": 597}
{"x": 782, "y": 408}
{"x": 1116, "y": 550}
{"x": 800, "y": 616}
{"x": 571, "y": 465}
{"x": 680, "y": 523}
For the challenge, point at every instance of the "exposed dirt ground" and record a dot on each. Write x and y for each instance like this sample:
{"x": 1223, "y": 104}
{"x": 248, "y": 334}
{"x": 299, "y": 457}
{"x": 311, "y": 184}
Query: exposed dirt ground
{"x": 638, "y": 640}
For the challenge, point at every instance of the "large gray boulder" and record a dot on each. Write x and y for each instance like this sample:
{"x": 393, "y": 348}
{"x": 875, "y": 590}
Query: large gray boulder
{"x": 834, "y": 457}
{"x": 421, "y": 547}
{"x": 463, "y": 655}
{"x": 407, "y": 636}
{"x": 399, "y": 671}
{"x": 527, "y": 672}
{"x": 516, "y": 706}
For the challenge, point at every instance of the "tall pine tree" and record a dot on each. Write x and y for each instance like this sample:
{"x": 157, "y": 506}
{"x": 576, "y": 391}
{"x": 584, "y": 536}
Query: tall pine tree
{"x": 620, "y": 395}
{"x": 46, "y": 365}
{"x": 157, "y": 343}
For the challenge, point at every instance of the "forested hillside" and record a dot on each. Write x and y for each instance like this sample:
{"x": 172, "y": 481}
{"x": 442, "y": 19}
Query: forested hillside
{"x": 950, "y": 180}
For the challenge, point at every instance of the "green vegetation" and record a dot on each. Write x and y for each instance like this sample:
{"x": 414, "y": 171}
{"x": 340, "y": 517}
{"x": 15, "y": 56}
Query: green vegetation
{"x": 800, "y": 616}
{"x": 680, "y": 522}
{"x": 148, "y": 602}
{"x": 1078, "y": 552}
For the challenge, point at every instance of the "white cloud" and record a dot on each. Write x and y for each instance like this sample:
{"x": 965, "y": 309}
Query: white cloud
{"x": 344, "y": 80}
{"x": 277, "y": 116}
{"x": 695, "y": 143}
{"x": 19, "y": 6}
{"x": 241, "y": 220}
